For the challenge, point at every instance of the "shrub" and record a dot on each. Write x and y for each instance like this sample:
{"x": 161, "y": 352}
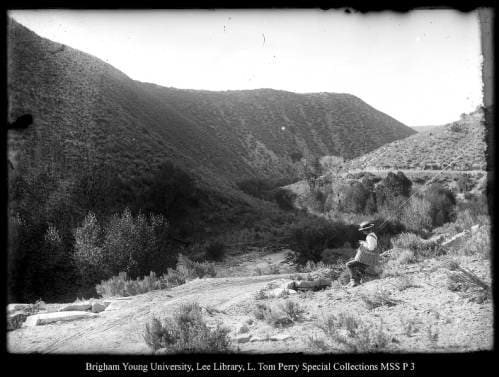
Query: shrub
{"x": 274, "y": 269}
{"x": 260, "y": 294}
{"x": 469, "y": 284}
{"x": 476, "y": 205}
{"x": 442, "y": 204}
{"x": 113, "y": 287}
{"x": 391, "y": 187}
{"x": 406, "y": 282}
{"x": 192, "y": 270}
{"x": 310, "y": 239}
{"x": 260, "y": 311}
{"x": 477, "y": 244}
{"x": 215, "y": 250}
{"x": 457, "y": 127}
{"x": 333, "y": 256}
{"x": 172, "y": 278}
{"x": 416, "y": 215}
{"x": 377, "y": 299}
{"x": 293, "y": 310}
{"x": 420, "y": 247}
{"x": 122, "y": 285}
{"x": 275, "y": 316}
{"x": 186, "y": 332}
{"x": 354, "y": 197}
{"x": 405, "y": 256}
{"x": 355, "y": 334}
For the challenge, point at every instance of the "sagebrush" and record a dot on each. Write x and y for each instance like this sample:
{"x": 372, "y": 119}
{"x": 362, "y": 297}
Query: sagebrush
{"x": 186, "y": 332}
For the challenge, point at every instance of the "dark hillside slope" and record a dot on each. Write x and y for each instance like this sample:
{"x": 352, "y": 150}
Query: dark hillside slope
{"x": 87, "y": 112}
{"x": 271, "y": 125}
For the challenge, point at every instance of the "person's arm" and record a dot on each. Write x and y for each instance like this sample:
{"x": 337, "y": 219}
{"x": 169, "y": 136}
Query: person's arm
{"x": 371, "y": 242}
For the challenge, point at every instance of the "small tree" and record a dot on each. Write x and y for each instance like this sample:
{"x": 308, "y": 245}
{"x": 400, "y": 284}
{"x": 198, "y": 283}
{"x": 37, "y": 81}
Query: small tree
{"x": 88, "y": 252}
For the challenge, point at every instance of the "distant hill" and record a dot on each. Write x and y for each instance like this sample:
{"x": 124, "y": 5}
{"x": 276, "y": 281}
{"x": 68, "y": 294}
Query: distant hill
{"x": 460, "y": 145}
{"x": 426, "y": 128}
{"x": 86, "y": 113}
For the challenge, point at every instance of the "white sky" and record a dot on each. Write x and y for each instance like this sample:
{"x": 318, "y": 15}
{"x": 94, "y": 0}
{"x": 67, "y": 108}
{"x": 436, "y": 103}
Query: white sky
{"x": 422, "y": 68}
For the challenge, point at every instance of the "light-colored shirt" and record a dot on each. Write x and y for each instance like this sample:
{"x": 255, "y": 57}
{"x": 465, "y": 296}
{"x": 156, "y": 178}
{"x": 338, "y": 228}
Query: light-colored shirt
{"x": 371, "y": 242}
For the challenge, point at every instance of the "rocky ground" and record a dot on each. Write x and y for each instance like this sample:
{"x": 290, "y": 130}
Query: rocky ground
{"x": 417, "y": 312}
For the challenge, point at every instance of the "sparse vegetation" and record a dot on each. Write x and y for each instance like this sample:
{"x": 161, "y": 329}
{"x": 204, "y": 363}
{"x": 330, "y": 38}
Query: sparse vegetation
{"x": 354, "y": 334}
{"x": 122, "y": 285}
{"x": 282, "y": 315}
{"x": 405, "y": 282}
{"x": 420, "y": 247}
{"x": 478, "y": 243}
{"x": 293, "y": 310}
{"x": 378, "y": 298}
{"x": 410, "y": 326}
{"x": 467, "y": 283}
{"x": 186, "y": 332}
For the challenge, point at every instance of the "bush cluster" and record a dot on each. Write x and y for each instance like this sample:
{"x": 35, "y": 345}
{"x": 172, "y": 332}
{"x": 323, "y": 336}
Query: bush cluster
{"x": 186, "y": 332}
{"x": 309, "y": 239}
{"x": 354, "y": 334}
{"x": 122, "y": 285}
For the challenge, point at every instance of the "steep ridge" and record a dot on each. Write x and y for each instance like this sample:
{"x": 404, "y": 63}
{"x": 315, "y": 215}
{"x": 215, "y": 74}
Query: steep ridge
{"x": 460, "y": 145}
{"x": 87, "y": 112}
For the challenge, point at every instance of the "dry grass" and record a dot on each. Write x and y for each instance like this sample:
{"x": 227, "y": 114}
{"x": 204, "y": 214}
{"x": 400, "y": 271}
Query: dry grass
{"x": 405, "y": 282}
{"x": 354, "y": 334}
{"x": 379, "y": 298}
{"x": 420, "y": 247}
{"x": 467, "y": 283}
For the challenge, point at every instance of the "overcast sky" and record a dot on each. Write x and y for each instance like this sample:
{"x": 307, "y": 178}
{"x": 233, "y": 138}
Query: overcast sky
{"x": 422, "y": 68}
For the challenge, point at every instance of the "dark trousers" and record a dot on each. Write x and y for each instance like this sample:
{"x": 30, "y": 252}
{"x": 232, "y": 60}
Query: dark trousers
{"x": 356, "y": 270}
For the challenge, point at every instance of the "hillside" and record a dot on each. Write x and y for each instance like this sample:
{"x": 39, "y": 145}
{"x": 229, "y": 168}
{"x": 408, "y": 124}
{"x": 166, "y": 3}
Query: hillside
{"x": 425, "y": 128}
{"x": 88, "y": 113}
{"x": 459, "y": 146}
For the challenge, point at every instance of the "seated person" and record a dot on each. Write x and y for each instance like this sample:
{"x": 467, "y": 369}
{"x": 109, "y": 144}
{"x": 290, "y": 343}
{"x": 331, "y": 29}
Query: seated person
{"x": 367, "y": 258}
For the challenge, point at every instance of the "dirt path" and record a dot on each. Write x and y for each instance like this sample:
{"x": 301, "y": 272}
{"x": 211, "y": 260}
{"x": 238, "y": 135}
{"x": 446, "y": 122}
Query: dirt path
{"x": 119, "y": 329}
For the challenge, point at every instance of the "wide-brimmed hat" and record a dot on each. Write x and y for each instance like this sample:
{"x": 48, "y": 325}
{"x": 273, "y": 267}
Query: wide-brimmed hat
{"x": 366, "y": 225}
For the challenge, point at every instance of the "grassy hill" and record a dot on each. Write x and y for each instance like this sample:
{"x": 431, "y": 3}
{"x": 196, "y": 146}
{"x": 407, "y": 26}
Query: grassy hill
{"x": 87, "y": 112}
{"x": 459, "y": 145}
{"x": 425, "y": 128}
